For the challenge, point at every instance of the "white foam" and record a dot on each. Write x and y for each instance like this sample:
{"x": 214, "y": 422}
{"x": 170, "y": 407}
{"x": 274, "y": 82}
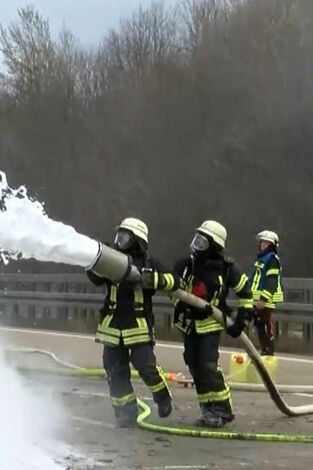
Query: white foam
{"x": 27, "y": 231}
{"x": 29, "y": 418}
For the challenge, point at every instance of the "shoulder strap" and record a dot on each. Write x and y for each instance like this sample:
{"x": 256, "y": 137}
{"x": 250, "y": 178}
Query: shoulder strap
{"x": 189, "y": 268}
{"x": 268, "y": 256}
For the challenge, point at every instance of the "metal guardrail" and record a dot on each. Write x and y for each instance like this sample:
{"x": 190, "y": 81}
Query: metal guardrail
{"x": 70, "y": 302}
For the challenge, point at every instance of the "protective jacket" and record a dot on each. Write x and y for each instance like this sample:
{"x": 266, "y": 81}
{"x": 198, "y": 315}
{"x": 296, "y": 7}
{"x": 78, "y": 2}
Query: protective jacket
{"x": 265, "y": 279}
{"x": 126, "y": 316}
{"x": 211, "y": 280}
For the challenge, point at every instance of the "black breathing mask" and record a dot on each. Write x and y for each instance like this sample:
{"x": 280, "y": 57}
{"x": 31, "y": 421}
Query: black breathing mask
{"x": 124, "y": 240}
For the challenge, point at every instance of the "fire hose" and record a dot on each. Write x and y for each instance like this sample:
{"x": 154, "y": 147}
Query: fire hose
{"x": 73, "y": 370}
{"x": 116, "y": 266}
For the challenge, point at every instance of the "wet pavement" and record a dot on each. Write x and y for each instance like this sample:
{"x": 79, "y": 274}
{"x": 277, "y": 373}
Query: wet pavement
{"x": 86, "y": 438}
{"x": 89, "y": 439}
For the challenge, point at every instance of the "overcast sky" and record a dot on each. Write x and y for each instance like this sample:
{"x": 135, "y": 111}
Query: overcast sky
{"x": 87, "y": 19}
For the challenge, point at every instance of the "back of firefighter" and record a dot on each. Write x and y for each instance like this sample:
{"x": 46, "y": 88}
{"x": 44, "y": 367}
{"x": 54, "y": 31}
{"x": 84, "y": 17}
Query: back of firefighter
{"x": 126, "y": 326}
{"x": 209, "y": 273}
{"x": 265, "y": 282}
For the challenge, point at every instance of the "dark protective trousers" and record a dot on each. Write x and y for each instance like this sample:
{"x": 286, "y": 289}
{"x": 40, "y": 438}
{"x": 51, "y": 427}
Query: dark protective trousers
{"x": 264, "y": 326}
{"x": 201, "y": 356}
{"x": 116, "y": 361}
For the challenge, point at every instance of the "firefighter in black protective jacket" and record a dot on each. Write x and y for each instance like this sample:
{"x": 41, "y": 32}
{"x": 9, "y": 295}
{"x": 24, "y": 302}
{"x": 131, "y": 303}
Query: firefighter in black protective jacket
{"x": 209, "y": 273}
{"x": 265, "y": 282}
{"x": 126, "y": 326}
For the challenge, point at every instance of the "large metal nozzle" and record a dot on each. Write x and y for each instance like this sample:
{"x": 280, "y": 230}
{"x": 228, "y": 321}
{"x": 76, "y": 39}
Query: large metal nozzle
{"x": 113, "y": 265}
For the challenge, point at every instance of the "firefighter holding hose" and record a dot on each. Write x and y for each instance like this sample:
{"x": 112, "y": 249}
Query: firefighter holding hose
{"x": 126, "y": 326}
{"x": 209, "y": 273}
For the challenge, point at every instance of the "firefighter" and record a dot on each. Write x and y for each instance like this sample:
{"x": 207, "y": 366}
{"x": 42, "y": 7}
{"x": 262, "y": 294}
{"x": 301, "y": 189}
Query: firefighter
{"x": 265, "y": 282}
{"x": 209, "y": 273}
{"x": 126, "y": 326}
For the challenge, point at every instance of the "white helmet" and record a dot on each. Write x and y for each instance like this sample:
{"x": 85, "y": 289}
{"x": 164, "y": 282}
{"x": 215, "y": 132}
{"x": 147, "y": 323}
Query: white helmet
{"x": 268, "y": 236}
{"x": 215, "y": 230}
{"x": 136, "y": 226}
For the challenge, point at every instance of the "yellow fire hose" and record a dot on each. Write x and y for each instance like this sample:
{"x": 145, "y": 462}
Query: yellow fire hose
{"x": 254, "y": 356}
{"x": 114, "y": 265}
{"x": 195, "y": 432}
{"x": 145, "y": 411}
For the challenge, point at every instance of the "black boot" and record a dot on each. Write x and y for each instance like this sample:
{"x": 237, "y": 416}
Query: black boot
{"x": 224, "y": 411}
{"x": 209, "y": 419}
{"x": 165, "y": 408}
{"x": 126, "y": 416}
{"x": 268, "y": 350}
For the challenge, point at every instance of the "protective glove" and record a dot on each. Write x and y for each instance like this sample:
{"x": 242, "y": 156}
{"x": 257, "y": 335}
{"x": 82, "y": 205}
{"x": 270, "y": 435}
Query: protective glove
{"x": 260, "y": 304}
{"x": 197, "y": 313}
{"x": 207, "y": 310}
{"x": 244, "y": 316}
{"x": 258, "y": 318}
{"x": 152, "y": 279}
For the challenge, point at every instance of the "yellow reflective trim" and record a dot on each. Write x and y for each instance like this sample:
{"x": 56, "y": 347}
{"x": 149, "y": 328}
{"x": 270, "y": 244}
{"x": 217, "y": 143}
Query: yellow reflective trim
{"x": 137, "y": 339}
{"x": 207, "y": 326}
{"x": 133, "y": 332}
{"x": 162, "y": 375}
{"x": 142, "y": 328}
{"x": 113, "y": 294}
{"x": 212, "y": 329}
{"x": 206, "y": 321}
{"x": 247, "y": 303}
{"x": 155, "y": 280}
{"x": 122, "y": 401}
{"x": 169, "y": 281}
{"x": 266, "y": 294}
{"x": 201, "y": 326}
{"x": 216, "y": 297}
{"x": 226, "y": 384}
{"x": 138, "y": 297}
{"x": 214, "y": 396}
{"x": 142, "y": 324}
{"x": 106, "y": 334}
{"x": 272, "y": 272}
{"x": 105, "y": 327}
{"x": 256, "y": 277}
{"x": 189, "y": 283}
{"x": 270, "y": 305}
{"x": 158, "y": 387}
{"x": 278, "y": 297}
{"x": 242, "y": 281}
{"x": 104, "y": 338}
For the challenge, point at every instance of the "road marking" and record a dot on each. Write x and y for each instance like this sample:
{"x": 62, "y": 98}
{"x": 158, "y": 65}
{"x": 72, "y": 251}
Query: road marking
{"x": 46, "y": 332}
{"x": 93, "y": 422}
{"x": 179, "y": 467}
{"x": 308, "y": 395}
{"x": 84, "y": 393}
{"x": 159, "y": 344}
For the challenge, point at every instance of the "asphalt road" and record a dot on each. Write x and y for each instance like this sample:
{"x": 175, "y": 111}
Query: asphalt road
{"x": 86, "y": 437}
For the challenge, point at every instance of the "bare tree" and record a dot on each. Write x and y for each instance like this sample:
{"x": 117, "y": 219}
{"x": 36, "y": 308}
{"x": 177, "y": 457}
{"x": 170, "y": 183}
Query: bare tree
{"x": 28, "y": 53}
{"x": 195, "y": 18}
{"x": 202, "y": 111}
{"x": 145, "y": 38}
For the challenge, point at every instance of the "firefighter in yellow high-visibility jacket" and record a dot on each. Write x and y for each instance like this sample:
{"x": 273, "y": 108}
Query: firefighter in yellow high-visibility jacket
{"x": 126, "y": 326}
{"x": 265, "y": 283}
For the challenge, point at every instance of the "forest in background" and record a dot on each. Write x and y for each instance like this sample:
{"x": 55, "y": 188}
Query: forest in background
{"x": 202, "y": 110}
